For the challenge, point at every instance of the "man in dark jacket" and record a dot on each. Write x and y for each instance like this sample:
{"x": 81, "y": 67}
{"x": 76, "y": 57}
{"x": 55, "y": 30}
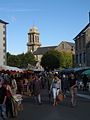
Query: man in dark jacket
{"x": 3, "y": 96}
{"x": 37, "y": 89}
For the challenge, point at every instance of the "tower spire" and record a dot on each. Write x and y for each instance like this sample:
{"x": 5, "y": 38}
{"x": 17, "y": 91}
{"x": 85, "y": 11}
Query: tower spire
{"x": 33, "y": 23}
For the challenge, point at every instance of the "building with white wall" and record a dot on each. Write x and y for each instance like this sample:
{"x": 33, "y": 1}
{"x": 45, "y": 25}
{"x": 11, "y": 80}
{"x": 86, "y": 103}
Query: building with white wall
{"x": 3, "y": 42}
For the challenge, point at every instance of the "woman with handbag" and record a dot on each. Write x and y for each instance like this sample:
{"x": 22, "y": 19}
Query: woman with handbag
{"x": 55, "y": 88}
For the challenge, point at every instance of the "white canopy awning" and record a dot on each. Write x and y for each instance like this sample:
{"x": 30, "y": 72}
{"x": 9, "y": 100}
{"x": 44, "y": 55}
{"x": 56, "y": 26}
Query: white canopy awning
{"x": 4, "y": 67}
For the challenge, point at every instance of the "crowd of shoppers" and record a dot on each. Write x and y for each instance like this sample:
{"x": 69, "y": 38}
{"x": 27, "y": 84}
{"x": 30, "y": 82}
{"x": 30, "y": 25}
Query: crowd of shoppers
{"x": 32, "y": 85}
{"x": 55, "y": 84}
{"x": 8, "y": 89}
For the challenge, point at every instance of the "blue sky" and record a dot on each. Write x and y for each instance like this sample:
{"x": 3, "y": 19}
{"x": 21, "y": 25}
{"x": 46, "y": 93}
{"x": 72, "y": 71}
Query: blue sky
{"x": 57, "y": 20}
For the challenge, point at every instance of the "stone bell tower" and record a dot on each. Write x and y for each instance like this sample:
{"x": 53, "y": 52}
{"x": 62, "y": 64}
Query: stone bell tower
{"x": 33, "y": 39}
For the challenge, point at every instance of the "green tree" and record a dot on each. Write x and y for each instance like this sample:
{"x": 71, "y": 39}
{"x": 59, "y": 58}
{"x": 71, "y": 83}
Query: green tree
{"x": 26, "y": 59}
{"x": 12, "y": 60}
{"x": 21, "y": 60}
{"x": 66, "y": 60}
{"x": 50, "y": 60}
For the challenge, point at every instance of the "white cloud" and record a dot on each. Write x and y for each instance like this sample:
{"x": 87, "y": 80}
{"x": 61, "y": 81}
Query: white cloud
{"x": 26, "y": 10}
{"x": 12, "y": 18}
{"x": 19, "y": 10}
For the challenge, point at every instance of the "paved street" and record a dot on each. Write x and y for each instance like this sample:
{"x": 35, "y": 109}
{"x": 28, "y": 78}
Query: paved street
{"x": 63, "y": 111}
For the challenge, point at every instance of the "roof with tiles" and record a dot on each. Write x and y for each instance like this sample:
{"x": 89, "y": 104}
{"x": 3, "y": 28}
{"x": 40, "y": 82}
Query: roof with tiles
{"x": 43, "y": 50}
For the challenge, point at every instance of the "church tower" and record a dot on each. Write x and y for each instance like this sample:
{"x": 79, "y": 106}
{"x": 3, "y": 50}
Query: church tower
{"x": 33, "y": 39}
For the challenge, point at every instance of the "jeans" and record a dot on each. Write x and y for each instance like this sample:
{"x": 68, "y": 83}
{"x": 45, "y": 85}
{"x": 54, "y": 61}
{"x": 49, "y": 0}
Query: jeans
{"x": 38, "y": 98}
{"x": 3, "y": 112}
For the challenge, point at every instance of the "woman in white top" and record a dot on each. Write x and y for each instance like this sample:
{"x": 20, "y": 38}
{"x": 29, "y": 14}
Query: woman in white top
{"x": 56, "y": 88}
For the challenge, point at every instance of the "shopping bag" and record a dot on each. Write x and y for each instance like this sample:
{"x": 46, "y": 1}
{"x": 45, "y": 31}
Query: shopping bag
{"x": 60, "y": 97}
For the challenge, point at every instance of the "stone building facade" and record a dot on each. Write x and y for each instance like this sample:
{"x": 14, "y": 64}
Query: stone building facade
{"x": 65, "y": 46}
{"x": 88, "y": 53}
{"x": 34, "y": 45}
{"x": 3, "y": 42}
{"x": 82, "y": 47}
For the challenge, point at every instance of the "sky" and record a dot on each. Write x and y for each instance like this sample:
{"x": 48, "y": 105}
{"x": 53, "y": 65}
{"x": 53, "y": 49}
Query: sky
{"x": 56, "y": 20}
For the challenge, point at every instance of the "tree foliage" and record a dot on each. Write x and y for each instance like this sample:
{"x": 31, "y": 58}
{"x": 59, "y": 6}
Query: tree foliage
{"x": 66, "y": 58}
{"x": 50, "y": 60}
{"x": 21, "y": 60}
{"x": 53, "y": 59}
{"x": 12, "y": 60}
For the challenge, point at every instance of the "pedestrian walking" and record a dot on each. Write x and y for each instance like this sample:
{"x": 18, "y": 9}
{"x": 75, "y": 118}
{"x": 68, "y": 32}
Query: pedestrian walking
{"x": 73, "y": 89}
{"x": 3, "y": 97}
{"x": 64, "y": 84}
{"x": 85, "y": 81}
{"x": 9, "y": 103}
{"x": 49, "y": 82}
{"x": 56, "y": 88}
{"x": 13, "y": 85}
{"x": 37, "y": 89}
